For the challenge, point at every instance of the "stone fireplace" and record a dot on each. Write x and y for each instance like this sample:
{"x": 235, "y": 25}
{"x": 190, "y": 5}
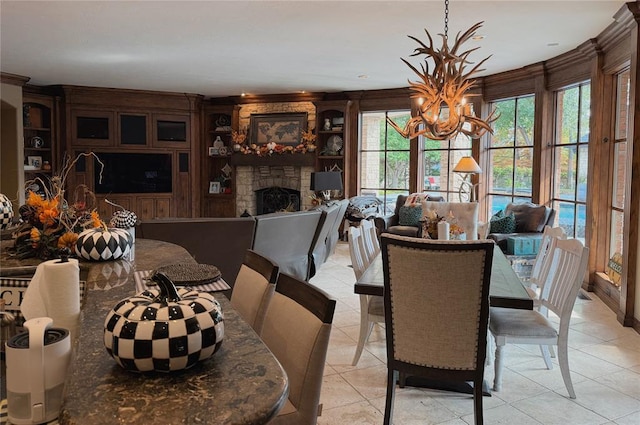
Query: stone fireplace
{"x": 289, "y": 178}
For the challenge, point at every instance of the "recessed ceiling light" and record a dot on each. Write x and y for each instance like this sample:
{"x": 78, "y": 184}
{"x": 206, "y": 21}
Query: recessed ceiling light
{"x": 363, "y": 76}
{"x": 243, "y": 94}
{"x": 553, "y": 44}
{"x": 478, "y": 37}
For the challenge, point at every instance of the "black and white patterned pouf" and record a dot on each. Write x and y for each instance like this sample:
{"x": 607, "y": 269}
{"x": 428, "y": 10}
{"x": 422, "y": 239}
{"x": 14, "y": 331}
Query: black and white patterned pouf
{"x": 148, "y": 332}
{"x": 6, "y": 212}
{"x": 103, "y": 244}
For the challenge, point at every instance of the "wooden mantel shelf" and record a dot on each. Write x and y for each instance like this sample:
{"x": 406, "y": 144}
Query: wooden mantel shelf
{"x": 295, "y": 159}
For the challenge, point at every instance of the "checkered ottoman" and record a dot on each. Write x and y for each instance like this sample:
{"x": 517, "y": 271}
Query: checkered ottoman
{"x": 142, "y": 334}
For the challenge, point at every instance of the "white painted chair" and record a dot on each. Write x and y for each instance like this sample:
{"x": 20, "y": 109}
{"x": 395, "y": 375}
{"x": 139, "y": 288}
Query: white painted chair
{"x": 566, "y": 271}
{"x": 371, "y": 306}
{"x": 542, "y": 262}
{"x": 370, "y": 239}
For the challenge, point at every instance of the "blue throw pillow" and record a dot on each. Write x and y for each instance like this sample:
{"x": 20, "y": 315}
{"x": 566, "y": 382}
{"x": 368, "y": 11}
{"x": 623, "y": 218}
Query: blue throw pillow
{"x": 410, "y": 215}
{"x": 501, "y": 223}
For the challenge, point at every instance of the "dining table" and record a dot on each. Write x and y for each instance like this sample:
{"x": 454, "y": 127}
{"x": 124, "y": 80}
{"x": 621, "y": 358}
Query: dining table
{"x": 505, "y": 288}
{"x": 242, "y": 383}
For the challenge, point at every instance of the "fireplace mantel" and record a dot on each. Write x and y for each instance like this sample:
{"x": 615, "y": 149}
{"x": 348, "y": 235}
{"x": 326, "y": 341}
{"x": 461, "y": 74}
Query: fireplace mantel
{"x": 294, "y": 159}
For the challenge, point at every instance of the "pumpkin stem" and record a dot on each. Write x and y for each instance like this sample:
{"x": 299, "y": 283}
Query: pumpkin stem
{"x": 168, "y": 291}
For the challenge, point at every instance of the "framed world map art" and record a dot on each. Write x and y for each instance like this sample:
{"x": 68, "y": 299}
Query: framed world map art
{"x": 281, "y": 128}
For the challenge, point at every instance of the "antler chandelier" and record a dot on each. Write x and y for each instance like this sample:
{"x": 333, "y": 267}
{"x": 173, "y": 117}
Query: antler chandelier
{"x": 443, "y": 111}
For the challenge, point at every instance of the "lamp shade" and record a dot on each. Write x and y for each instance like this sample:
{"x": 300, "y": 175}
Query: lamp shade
{"x": 467, "y": 165}
{"x": 326, "y": 180}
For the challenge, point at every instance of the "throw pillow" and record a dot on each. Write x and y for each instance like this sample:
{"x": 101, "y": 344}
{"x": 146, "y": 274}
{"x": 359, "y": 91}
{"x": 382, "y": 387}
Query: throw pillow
{"x": 415, "y": 199}
{"x": 529, "y": 217}
{"x": 503, "y": 223}
{"x": 409, "y": 215}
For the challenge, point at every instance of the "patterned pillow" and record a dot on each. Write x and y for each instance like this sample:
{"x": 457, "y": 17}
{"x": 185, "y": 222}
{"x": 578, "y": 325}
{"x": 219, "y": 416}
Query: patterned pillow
{"x": 501, "y": 223}
{"x": 415, "y": 199}
{"x": 410, "y": 216}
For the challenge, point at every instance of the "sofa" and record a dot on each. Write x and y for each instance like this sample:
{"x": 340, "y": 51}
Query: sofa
{"x": 519, "y": 219}
{"x": 401, "y": 223}
{"x": 299, "y": 242}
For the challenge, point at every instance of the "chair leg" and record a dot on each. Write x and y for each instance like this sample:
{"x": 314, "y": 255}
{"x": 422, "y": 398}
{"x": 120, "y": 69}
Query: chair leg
{"x": 552, "y": 351}
{"x": 544, "y": 349}
{"x": 477, "y": 401}
{"x": 391, "y": 393}
{"x": 497, "y": 379}
{"x": 563, "y": 359}
{"x": 365, "y": 328}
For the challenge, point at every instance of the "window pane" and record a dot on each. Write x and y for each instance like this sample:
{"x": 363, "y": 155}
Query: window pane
{"x": 524, "y": 169}
{"x": 619, "y": 174}
{"x": 585, "y": 113}
{"x": 504, "y": 127}
{"x": 501, "y": 177}
{"x": 565, "y": 173}
{"x": 370, "y": 170}
{"x": 622, "y": 104}
{"x": 566, "y": 213}
{"x": 397, "y": 170}
{"x": 525, "y": 120}
{"x": 567, "y": 116}
{"x": 498, "y": 203}
{"x": 372, "y": 128}
{"x": 583, "y": 166}
{"x": 617, "y": 232}
{"x": 581, "y": 222}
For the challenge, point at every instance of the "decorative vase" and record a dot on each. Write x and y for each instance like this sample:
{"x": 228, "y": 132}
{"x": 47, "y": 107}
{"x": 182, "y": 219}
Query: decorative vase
{"x": 6, "y": 212}
{"x": 236, "y": 147}
{"x": 165, "y": 329}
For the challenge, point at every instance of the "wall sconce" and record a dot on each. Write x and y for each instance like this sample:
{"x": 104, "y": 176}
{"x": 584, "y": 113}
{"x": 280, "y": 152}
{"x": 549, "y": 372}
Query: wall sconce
{"x": 325, "y": 182}
{"x": 467, "y": 166}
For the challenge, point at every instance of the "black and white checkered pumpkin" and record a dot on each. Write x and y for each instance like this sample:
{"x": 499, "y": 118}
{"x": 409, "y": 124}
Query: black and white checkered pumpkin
{"x": 164, "y": 330}
{"x": 123, "y": 219}
{"x": 6, "y": 212}
{"x": 101, "y": 244}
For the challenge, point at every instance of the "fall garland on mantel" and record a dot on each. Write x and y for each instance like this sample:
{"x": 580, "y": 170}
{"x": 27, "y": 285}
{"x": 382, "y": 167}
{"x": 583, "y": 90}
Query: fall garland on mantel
{"x": 307, "y": 144}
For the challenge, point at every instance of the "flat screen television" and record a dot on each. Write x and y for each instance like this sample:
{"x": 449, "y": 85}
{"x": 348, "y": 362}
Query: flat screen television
{"x": 133, "y": 173}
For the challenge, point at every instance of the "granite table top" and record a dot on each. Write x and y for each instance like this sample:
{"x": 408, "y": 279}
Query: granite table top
{"x": 242, "y": 383}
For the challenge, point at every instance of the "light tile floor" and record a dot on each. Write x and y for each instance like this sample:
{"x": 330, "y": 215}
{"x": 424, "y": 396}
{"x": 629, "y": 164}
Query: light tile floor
{"x": 604, "y": 359}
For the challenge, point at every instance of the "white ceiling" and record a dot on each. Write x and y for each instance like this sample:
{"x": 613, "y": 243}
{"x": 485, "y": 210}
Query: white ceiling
{"x": 223, "y": 48}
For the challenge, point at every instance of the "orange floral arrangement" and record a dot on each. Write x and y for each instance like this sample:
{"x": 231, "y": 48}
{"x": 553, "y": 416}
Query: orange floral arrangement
{"x": 267, "y": 149}
{"x": 49, "y": 223}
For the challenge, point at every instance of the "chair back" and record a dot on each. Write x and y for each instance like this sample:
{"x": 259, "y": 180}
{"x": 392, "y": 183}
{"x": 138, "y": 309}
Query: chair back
{"x": 253, "y": 289}
{"x": 369, "y": 239}
{"x": 465, "y": 214}
{"x": 567, "y": 268}
{"x": 436, "y": 296}
{"x": 359, "y": 260}
{"x": 296, "y": 330}
{"x": 541, "y": 263}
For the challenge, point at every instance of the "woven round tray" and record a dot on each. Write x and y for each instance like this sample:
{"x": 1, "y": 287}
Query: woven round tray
{"x": 190, "y": 274}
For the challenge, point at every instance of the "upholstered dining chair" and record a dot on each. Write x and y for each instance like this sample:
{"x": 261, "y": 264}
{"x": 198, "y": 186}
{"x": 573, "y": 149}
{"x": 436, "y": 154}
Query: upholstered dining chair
{"x": 465, "y": 213}
{"x": 561, "y": 286}
{"x": 253, "y": 288}
{"x": 296, "y": 330}
{"x": 436, "y": 296}
{"x": 371, "y": 306}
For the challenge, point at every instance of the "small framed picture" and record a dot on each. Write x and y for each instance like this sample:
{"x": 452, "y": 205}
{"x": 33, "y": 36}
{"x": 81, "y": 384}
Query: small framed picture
{"x": 214, "y": 187}
{"x": 213, "y": 151}
{"x": 35, "y": 161}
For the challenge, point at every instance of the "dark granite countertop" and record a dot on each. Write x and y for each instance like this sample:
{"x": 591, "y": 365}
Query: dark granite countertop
{"x": 242, "y": 383}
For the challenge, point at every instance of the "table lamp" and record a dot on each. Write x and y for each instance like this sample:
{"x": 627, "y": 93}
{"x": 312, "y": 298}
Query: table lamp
{"x": 467, "y": 166}
{"x": 325, "y": 182}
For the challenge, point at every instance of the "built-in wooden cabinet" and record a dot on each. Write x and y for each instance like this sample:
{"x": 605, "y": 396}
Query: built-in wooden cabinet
{"x": 218, "y": 185}
{"x": 40, "y": 140}
{"x": 332, "y": 124}
{"x": 149, "y": 143}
